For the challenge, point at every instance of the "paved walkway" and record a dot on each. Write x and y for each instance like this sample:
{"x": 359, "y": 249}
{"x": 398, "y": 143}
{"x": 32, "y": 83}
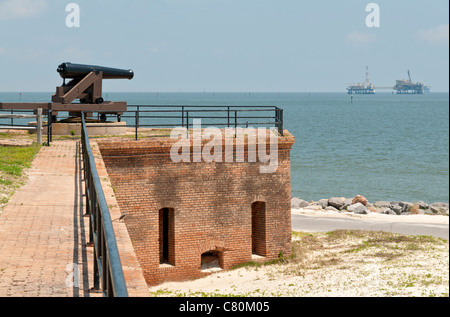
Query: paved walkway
{"x": 43, "y": 232}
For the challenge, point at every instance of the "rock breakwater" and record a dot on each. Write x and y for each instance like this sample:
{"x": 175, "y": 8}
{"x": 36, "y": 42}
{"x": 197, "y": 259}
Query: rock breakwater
{"x": 360, "y": 205}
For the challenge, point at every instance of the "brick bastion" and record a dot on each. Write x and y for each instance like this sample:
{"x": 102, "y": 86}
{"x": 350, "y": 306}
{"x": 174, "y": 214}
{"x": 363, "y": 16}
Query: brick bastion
{"x": 178, "y": 214}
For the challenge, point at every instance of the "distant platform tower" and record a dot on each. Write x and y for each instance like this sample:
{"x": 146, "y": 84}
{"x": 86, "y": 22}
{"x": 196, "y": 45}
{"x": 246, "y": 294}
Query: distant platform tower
{"x": 365, "y": 88}
{"x": 406, "y": 86}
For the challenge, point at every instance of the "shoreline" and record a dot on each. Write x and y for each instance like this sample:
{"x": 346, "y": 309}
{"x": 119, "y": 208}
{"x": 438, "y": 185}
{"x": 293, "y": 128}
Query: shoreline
{"x": 359, "y": 206}
{"x": 431, "y": 219}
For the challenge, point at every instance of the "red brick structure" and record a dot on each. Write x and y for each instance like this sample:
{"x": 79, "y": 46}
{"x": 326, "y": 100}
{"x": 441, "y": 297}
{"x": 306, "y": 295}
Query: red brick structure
{"x": 179, "y": 212}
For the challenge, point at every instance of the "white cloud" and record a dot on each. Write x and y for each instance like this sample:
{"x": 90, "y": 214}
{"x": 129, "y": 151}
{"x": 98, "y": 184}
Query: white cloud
{"x": 360, "y": 39}
{"x": 436, "y": 35}
{"x": 21, "y": 9}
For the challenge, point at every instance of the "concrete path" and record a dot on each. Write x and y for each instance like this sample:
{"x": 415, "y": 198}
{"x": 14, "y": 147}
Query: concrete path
{"x": 43, "y": 232}
{"x": 394, "y": 224}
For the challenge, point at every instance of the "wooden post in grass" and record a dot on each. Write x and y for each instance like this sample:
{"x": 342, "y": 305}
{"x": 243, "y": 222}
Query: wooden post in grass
{"x": 39, "y": 126}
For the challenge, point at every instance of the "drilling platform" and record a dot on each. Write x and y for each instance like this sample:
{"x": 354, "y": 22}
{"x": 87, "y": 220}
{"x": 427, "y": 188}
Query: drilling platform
{"x": 365, "y": 88}
{"x": 407, "y": 86}
{"x": 402, "y": 86}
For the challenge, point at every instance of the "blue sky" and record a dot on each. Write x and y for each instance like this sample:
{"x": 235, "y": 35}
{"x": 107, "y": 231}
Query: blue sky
{"x": 226, "y": 45}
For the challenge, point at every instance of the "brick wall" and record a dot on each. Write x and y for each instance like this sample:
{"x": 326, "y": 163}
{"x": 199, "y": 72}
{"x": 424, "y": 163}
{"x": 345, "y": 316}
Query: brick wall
{"x": 209, "y": 206}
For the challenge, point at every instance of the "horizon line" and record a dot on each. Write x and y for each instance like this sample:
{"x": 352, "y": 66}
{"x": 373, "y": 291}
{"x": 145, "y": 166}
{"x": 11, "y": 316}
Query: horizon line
{"x": 217, "y": 92}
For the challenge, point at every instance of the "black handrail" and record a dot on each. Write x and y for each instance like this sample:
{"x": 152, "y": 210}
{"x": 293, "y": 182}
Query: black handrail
{"x": 108, "y": 271}
{"x": 231, "y": 116}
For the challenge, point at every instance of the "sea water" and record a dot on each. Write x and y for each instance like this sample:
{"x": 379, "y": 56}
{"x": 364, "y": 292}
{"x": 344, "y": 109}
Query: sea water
{"x": 385, "y": 146}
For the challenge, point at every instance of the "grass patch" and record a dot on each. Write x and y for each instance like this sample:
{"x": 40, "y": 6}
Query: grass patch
{"x": 13, "y": 161}
{"x": 335, "y": 246}
{"x": 22, "y": 135}
{"x": 395, "y": 242}
{"x": 387, "y": 255}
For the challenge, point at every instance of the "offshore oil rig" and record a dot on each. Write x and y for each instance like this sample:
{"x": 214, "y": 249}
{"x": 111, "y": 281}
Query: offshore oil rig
{"x": 406, "y": 86}
{"x": 365, "y": 88}
{"x": 402, "y": 86}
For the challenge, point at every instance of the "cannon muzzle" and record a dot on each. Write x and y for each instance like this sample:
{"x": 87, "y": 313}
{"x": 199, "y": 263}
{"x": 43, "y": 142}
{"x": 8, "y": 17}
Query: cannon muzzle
{"x": 69, "y": 70}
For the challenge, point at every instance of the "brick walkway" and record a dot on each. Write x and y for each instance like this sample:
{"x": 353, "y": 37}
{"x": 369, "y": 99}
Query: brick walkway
{"x": 43, "y": 232}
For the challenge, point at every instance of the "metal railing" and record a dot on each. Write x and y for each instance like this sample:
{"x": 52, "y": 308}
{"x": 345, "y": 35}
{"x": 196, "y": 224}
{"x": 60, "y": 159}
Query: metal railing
{"x": 16, "y": 120}
{"x": 166, "y": 116}
{"x": 108, "y": 273}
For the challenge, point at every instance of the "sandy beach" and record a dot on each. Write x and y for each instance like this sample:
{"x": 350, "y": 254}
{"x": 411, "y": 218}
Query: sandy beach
{"x": 349, "y": 265}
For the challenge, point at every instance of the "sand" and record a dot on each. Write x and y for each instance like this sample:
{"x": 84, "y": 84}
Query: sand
{"x": 341, "y": 268}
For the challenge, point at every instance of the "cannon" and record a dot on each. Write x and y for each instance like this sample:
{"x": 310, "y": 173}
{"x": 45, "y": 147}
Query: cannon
{"x": 86, "y": 82}
{"x": 69, "y": 70}
{"x": 85, "y": 85}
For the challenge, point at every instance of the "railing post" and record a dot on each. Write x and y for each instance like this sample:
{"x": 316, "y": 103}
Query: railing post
{"x": 187, "y": 121}
{"x": 279, "y": 120}
{"x": 235, "y": 123}
{"x": 182, "y": 116}
{"x": 48, "y": 127}
{"x": 281, "y": 128}
{"x": 137, "y": 123}
{"x": 96, "y": 271}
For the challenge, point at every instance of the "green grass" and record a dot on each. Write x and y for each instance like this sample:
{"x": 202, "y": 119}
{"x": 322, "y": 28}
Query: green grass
{"x": 13, "y": 160}
{"x": 15, "y": 135}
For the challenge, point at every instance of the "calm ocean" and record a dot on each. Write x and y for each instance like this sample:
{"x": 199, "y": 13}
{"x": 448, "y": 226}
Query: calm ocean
{"x": 383, "y": 146}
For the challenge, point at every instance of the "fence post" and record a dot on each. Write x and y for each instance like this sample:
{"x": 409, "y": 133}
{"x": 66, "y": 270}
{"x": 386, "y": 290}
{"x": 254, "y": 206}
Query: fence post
{"x": 39, "y": 126}
{"x": 182, "y": 116}
{"x": 136, "y": 123}
{"x": 49, "y": 126}
{"x": 235, "y": 124}
{"x": 187, "y": 122}
{"x": 279, "y": 121}
{"x": 281, "y": 130}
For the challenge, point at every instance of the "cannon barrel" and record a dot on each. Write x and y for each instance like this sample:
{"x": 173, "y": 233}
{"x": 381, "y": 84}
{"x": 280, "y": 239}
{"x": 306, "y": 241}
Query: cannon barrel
{"x": 69, "y": 70}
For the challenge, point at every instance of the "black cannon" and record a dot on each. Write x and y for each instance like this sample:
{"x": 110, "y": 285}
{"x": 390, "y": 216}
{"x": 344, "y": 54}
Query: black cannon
{"x": 77, "y": 71}
{"x": 86, "y": 82}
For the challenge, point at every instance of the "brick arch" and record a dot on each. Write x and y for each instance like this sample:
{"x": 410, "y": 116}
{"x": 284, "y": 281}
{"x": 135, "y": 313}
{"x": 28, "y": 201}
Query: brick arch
{"x": 165, "y": 204}
{"x": 211, "y": 245}
{"x": 261, "y": 198}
